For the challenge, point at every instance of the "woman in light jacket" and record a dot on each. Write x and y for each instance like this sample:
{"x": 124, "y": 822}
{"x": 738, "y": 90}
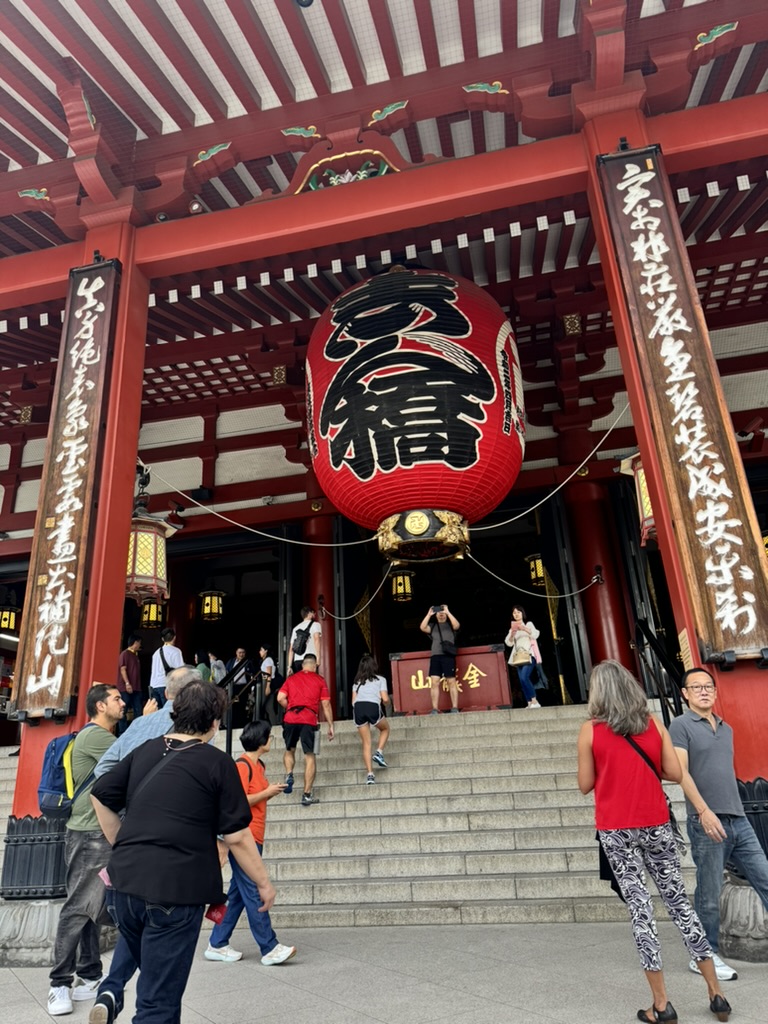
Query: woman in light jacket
{"x": 522, "y": 638}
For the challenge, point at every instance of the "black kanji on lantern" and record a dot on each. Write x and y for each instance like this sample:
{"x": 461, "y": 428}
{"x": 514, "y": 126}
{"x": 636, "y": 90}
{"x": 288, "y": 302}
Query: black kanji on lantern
{"x": 405, "y": 392}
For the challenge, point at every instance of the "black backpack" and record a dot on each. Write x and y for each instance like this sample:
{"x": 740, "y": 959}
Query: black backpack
{"x": 300, "y": 641}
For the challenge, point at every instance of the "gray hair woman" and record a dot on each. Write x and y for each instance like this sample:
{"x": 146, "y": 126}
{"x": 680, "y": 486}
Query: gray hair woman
{"x": 623, "y": 753}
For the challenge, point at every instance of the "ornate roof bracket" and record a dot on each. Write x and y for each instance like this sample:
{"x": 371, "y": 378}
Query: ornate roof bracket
{"x": 601, "y": 28}
{"x": 346, "y": 153}
{"x": 94, "y": 158}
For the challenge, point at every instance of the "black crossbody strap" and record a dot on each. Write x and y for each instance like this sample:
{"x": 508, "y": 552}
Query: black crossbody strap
{"x": 153, "y": 772}
{"x": 644, "y": 756}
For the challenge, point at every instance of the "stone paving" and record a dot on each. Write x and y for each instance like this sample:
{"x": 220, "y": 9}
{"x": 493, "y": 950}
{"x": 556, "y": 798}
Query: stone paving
{"x": 473, "y": 974}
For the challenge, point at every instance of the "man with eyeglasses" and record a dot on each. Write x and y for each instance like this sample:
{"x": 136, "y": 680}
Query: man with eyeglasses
{"x": 717, "y": 826}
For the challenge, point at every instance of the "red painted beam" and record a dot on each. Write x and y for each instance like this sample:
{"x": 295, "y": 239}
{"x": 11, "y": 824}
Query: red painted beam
{"x": 38, "y": 276}
{"x": 438, "y": 192}
{"x": 707, "y": 136}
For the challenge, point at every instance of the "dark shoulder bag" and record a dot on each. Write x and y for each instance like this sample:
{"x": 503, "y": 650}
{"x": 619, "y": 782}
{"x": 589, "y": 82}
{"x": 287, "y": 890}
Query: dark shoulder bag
{"x": 448, "y": 647}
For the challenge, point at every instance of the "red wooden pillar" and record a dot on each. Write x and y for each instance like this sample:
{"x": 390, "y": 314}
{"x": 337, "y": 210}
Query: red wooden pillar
{"x": 320, "y": 583}
{"x": 594, "y": 543}
{"x": 742, "y": 691}
{"x": 103, "y": 614}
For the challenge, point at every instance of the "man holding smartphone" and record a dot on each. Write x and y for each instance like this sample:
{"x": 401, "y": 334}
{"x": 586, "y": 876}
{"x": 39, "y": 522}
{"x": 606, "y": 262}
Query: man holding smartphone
{"x": 442, "y": 627}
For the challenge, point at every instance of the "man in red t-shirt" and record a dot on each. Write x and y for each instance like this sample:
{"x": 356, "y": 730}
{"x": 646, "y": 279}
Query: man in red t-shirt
{"x": 302, "y": 695}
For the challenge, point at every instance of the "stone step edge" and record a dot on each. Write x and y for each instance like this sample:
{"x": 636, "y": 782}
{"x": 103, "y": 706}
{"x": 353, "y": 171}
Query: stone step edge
{"x": 688, "y": 873}
{"x": 560, "y": 910}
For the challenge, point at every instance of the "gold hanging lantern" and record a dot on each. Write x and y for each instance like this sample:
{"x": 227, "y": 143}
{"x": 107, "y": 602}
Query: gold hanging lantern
{"x": 147, "y": 571}
{"x": 152, "y": 614}
{"x": 633, "y": 466}
{"x": 402, "y": 587}
{"x": 536, "y": 568}
{"x": 9, "y": 619}
{"x": 212, "y": 605}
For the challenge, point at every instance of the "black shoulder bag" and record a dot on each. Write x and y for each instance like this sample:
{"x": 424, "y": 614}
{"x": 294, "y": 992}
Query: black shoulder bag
{"x": 682, "y": 847}
{"x": 166, "y": 666}
{"x": 448, "y": 648}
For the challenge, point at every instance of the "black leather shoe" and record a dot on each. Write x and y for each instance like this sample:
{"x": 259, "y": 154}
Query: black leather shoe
{"x": 668, "y": 1014}
{"x": 720, "y": 1007}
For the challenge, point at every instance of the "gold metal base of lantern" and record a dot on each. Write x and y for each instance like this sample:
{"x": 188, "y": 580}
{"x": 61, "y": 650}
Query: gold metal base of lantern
{"x": 423, "y": 535}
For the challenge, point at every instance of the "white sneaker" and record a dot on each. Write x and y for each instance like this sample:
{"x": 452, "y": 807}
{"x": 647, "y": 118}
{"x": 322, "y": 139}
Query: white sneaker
{"x": 225, "y": 954}
{"x": 59, "y": 1000}
{"x": 723, "y": 970}
{"x": 278, "y": 955}
{"x": 534, "y": 704}
{"x": 85, "y": 989}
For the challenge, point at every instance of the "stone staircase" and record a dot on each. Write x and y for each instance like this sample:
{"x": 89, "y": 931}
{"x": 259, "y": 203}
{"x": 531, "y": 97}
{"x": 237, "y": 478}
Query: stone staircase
{"x": 477, "y": 820}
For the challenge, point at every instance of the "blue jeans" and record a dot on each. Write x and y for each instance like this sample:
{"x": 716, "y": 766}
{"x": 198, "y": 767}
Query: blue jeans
{"x": 123, "y": 965}
{"x": 133, "y": 702}
{"x": 743, "y": 849}
{"x": 243, "y": 895}
{"x": 524, "y": 675}
{"x": 76, "y": 947}
{"x": 158, "y": 692}
{"x": 162, "y": 940}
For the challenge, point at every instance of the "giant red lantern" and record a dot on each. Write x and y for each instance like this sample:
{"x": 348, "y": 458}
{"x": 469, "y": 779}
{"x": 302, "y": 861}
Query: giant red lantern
{"x": 415, "y": 409}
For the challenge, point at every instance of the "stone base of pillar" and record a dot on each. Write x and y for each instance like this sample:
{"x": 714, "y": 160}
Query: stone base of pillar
{"x": 28, "y": 930}
{"x": 743, "y": 922}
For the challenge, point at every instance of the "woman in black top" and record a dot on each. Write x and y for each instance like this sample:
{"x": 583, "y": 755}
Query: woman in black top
{"x": 179, "y": 792}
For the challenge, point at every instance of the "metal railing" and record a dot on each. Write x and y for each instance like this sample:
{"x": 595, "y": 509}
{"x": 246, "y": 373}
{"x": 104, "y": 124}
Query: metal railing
{"x": 661, "y": 670}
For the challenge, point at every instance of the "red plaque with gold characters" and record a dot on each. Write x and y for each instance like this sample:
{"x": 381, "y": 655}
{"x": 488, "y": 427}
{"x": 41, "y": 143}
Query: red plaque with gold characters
{"x": 50, "y": 643}
{"x": 481, "y": 673}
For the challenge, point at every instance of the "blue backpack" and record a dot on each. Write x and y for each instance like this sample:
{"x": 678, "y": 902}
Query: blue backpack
{"x": 56, "y": 793}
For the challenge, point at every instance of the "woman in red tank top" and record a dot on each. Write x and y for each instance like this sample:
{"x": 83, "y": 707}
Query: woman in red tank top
{"x": 633, "y": 826}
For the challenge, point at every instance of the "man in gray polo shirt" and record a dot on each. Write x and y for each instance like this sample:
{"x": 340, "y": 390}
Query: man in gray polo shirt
{"x": 717, "y": 826}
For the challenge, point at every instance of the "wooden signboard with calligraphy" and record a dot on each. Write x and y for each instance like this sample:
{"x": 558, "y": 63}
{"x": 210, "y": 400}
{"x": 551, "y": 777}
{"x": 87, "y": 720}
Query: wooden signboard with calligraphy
{"x": 702, "y": 476}
{"x": 481, "y": 672}
{"x": 51, "y": 638}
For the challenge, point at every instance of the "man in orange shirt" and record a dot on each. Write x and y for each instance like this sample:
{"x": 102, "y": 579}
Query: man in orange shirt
{"x": 243, "y": 894}
{"x": 302, "y": 695}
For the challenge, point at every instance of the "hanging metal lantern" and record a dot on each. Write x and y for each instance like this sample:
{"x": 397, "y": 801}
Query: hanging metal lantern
{"x": 147, "y": 571}
{"x": 402, "y": 587}
{"x": 415, "y": 409}
{"x": 9, "y": 619}
{"x": 152, "y": 614}
{"x": 536, "y": 567}
{"x": 633, "y": 466}
{"x": 212, "y": 605}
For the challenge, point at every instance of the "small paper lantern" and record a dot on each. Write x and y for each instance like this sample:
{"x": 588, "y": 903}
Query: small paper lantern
{"x": 402, "y": 588}
{"x": 212, "y": 605}
{"x": 415, "y": 409}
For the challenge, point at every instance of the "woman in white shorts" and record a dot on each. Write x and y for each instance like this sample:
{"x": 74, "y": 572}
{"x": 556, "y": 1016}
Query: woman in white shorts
{"x": 369, "y": 695}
